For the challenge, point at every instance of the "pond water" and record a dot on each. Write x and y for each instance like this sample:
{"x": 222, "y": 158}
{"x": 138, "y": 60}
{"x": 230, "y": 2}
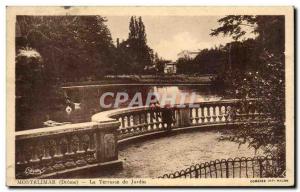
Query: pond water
{"x": 85, "y": 100}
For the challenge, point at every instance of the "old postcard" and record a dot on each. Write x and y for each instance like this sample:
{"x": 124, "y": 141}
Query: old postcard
{"x": 150, "y": 96}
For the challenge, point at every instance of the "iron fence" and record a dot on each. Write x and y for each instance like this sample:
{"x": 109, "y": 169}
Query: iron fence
{"x": 256, "y": 167}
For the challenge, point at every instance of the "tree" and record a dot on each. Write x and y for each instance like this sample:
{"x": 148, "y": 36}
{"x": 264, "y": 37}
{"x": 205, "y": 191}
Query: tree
{"x": 264, "y": 81}
{"x": 73, "y": 47}
{"x": 136, "y": 46}
{"x": 185, "y": 65}
{"x": 35, "y": 95}
{"x": 68, "y": 48}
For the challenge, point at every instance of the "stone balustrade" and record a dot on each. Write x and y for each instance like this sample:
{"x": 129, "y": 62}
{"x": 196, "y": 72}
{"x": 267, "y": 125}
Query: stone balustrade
{"x": 143, "y": 120}
{"x": 55, "y": 151}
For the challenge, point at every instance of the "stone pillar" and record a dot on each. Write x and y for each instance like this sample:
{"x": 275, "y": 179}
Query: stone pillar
{"x": 183, "y": 117}
{"x": 107, "y": 141}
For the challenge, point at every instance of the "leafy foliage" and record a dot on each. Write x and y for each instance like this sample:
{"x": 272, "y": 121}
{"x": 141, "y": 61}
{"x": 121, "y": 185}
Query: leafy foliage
{"x": 56, "y": 49}
{"x": 134, "y": 55}
{"x": 265, "y": 82}
{"x": 34, "y": 92}
{"x": 72, "y": 47}
{"x": 232, "y": 25}
{"x": 235, "y": 55}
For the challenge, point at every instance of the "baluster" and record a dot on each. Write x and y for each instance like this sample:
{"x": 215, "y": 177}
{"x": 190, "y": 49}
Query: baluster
{"x": 154, "y": 120}
{"x": 197, "y": 115}
{"x": 135, "y": 119}
{"x": 214, "y": 117}
{"x": 122, "y": 122}
{"x": 191, "y": 115}
{"x": 202, "y": 115}
{"x": 218, "y": 113}
{"x": 146, "y": 121}
{"x": 122, "y": 129}
{"x": 135, "y": 122}
{"x": 21, "y": 154}
{"x": 34, "y": 156}
{"x": 80, "y": 153}
{"x": 20, "y": 157}
{"x": 174, "y": 117}
{"x": 58, "y": 153}
{"x": 124, "y": 119}
{"x": 208, "y": 114}
{"x": 70, "y": 155}
{"x": 46, "y": 159}
{"x": 128, "y": 120}
{"x": 21, "y": 160}
{"x": 46, "y": 155}
{"x": 141, "y": 123}
{"x": 129, "y": 125}
{"x": 131, "y": 120}
{"x": 221, "y": 114}
{"x": 132, "y": 128}
{"x": 226, "y": 113}
{"x": 92, "y": 147}
{"x": 90, "y": 151}
{"x": 151, "y": 120}
{"x": 58, "y": 156}
{"x": 69, "y": 152}
{"x": 157, "y": 120}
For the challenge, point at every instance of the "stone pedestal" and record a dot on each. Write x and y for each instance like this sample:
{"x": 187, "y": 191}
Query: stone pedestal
{"x": 183, "y": 117}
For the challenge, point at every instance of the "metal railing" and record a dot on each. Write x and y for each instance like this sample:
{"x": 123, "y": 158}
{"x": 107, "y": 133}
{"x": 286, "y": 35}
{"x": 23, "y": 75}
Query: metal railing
{"x": 256, "y": 167}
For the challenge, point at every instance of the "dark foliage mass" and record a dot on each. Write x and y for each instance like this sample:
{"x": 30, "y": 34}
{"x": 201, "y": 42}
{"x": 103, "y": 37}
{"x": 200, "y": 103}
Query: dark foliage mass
{"x": 134, "y": 56}
{"x": 80, "y": 48}
{"x": 242, "y": 55}
{"x": 56, "y": 49}
{"x": 264, "y": 81}
{"x": 73, "y": 48}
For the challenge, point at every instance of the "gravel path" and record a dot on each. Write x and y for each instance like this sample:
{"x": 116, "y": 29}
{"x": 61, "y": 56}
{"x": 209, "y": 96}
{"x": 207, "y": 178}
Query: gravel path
{"x": 155, "y": 157}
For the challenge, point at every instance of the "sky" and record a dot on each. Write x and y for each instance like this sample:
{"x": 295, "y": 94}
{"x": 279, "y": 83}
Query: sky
{"x": 169, "y": 35}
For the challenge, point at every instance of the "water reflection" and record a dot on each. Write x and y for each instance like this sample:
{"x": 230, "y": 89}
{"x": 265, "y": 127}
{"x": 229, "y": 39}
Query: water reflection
{"x": 86, "y": 100}
{"x": 202, "y": 93}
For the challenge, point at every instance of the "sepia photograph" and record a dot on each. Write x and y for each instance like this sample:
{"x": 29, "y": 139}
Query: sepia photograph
{"x": 150, "y": 96}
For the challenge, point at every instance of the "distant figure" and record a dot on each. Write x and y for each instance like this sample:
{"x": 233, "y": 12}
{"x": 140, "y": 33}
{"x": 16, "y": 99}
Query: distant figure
{"x": 154, "y": 105}
{"x": 70, "y": 103}
{"x": 71, "y": 106}
{"x": 167, "y": 117}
